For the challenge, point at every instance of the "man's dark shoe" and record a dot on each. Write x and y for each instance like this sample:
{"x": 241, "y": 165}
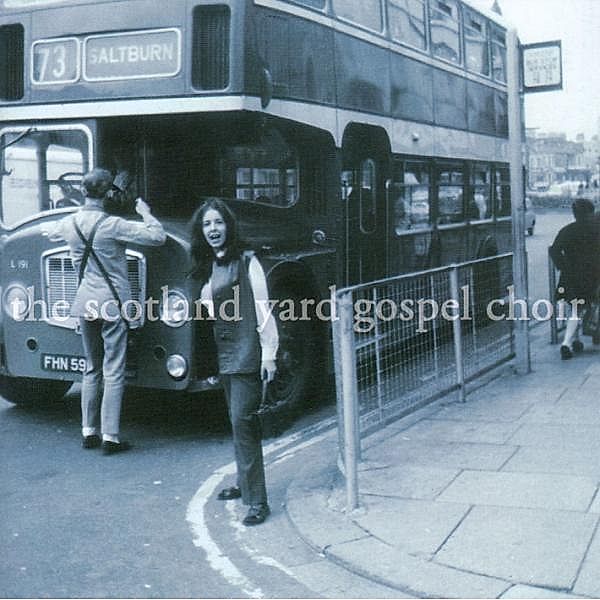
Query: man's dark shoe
{"x": 90, "y": 441}
{"x": 257, "y": 514}
{"x": 114, "y": 447}
{"x": 565, "y": 353}
{"x": 577, "y": 347}
{"x": 230, "y": 493}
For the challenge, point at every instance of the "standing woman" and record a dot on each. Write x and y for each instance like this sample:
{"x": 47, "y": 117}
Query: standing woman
{"x": 246, "y": 342}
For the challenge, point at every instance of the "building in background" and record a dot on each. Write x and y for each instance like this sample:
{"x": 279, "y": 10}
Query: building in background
{"x": 553, "y": 160}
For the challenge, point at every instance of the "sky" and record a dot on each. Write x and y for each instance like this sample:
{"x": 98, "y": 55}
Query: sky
{"x": 576, "y": 108}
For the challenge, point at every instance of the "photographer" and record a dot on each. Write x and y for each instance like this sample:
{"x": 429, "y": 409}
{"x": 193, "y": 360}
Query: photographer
{"x": 97, "y": 242}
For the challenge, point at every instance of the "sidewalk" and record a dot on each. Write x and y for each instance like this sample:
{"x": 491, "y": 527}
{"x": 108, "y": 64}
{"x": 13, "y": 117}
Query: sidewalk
{"x": 494, "y": 498}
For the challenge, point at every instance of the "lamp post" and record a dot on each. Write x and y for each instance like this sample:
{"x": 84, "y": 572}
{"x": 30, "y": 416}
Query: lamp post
{"x": 522, "y": 351}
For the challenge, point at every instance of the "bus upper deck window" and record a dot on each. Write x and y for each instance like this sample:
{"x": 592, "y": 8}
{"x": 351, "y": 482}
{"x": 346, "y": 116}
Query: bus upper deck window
{"x": 476, "y": 44}
{"x": 366, "y": 13}
{"x": 499, "y": 54}
{"x": 407, "y": 22}
{"x": 445, "y": 30}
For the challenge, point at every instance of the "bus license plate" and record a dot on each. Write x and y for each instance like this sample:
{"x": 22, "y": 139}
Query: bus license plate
{"x": 63, "y": 363}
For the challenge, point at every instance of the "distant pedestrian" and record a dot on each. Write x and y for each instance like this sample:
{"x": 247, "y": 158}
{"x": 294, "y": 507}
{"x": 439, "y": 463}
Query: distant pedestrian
{"x": 97, "y": 243}
{"x": 576, "y": 254}
{"x": 246, "y": 342}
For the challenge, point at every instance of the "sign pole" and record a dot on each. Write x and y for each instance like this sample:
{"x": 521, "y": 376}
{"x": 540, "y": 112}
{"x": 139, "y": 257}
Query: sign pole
{"x": 515, "y": 150}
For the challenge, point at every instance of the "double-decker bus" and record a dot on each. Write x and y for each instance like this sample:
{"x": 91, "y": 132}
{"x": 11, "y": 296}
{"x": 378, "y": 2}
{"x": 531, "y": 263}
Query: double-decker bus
{"x": 355, "y": 139}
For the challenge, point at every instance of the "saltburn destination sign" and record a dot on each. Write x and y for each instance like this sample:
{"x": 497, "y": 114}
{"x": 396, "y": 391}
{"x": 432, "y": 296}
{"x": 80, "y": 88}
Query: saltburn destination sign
{"x": 107, "y": 57}
{"x": 136, "y": 55}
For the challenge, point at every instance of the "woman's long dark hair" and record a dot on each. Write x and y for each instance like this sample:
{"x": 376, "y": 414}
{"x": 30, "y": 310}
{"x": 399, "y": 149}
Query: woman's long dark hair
{"x": 201, "y": 253}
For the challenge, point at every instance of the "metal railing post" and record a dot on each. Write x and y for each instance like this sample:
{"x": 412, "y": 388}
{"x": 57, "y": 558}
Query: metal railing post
{"x": 378, "y": 358}
{"x": 349, "y": 399}
{"x": 457, "y": 335}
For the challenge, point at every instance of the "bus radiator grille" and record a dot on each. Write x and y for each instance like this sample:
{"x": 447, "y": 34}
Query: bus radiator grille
{"x": 61, "y": 282}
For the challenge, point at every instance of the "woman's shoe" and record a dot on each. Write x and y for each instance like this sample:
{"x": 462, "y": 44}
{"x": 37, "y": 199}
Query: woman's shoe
{"x": 230, "y": 493}
{"x": 257, "y": 514}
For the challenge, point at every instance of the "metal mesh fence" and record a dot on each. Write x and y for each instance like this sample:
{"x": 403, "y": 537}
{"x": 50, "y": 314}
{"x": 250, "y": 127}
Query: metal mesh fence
{"x": 402, "y": 342}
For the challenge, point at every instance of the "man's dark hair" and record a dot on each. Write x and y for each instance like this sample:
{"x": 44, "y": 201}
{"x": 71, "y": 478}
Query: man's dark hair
{"x": 583, "y": 209}
{"x": 97, "y": 182}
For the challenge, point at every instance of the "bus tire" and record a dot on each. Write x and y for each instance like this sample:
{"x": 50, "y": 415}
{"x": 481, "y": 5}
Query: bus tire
{"x": 301, "y": 373}
{"x": 26, "y": 391}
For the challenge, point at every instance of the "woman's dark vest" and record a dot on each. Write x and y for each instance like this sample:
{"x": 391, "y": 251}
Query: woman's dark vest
{"x": 238, "y": 344}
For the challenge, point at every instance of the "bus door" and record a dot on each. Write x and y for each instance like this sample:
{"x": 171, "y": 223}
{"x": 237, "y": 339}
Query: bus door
{"x": 364, "y": 198}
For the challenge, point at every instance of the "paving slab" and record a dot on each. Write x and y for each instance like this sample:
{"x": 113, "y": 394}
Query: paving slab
{"x": 527, "y": 490}
{"x": 583, "y": 397}
{"x": 568, "y": 461}
{"x": 595, "y": 507}
{"x": 541, "y": 548}
{"x": 441, "y": 455}
{"x": 556, "y": 436}
{"x": 444, "y": 430}
{"x": 416, "y": 526}
{"x": 323, "y": 578}
{"x": 492, "y": 409}
{"x": 588, "y": 582}
{"x": 414, "y": 575}
{"x": 404, "y": 481}
{"x": 575, "y": 413}
{"x": 531, "y": 592}
{"x": 593, "y": 369}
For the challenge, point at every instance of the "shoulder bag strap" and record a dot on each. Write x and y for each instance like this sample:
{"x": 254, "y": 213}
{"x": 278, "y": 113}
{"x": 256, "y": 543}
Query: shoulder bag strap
{"x": 89, "y": 251}
{"x": 87, "y": 243}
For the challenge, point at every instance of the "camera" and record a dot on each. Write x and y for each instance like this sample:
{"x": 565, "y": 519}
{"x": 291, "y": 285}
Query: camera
{"x": 120, "y": 199}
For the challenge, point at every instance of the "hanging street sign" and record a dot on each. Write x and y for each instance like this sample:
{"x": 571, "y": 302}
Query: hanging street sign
{"x": 541, "y": 64}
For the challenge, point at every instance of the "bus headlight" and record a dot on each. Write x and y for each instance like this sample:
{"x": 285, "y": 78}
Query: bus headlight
{"x": 16, "y": 302}
{"x": 174, "y": 309}
{"x": 177, "y": 366}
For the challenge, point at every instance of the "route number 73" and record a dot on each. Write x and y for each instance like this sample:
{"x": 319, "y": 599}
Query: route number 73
{"x": 55, "y": 61}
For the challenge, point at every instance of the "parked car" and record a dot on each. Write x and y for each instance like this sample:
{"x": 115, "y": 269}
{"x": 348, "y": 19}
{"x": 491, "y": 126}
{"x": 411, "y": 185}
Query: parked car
{"x": 529, "y": 216}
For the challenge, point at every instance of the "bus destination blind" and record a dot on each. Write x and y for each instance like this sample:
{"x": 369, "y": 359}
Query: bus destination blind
{"x": 107, "y": 57}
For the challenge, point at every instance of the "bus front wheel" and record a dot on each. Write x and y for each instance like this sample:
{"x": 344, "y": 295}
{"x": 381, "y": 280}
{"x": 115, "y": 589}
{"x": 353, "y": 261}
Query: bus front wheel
{"x": 26, "y": 391}
{"x": 300, "y": 376}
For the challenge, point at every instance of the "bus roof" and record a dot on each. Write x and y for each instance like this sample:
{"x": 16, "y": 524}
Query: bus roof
{"x": 28, "y": 5}
{"x": 480, "y": 6}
